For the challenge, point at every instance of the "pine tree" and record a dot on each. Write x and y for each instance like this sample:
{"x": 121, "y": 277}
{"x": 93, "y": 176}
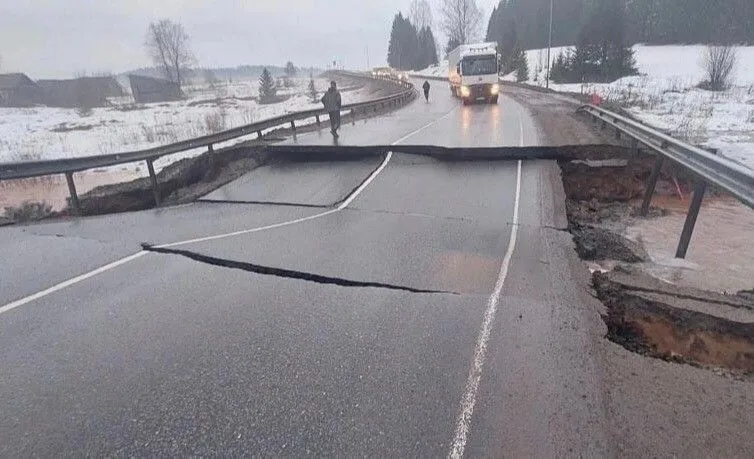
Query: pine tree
{"x": 522, "y": 65}
{"x": 313, "y": 89}
{"x": 431, "y": 44}
{"x": 267, "y": 89}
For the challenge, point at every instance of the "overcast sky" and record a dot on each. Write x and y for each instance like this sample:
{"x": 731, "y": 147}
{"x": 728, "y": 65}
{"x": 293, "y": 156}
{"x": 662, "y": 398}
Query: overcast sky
{"x": 58, "y": 38}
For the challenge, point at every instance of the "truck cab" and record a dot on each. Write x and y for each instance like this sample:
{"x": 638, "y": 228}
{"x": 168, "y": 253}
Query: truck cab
{"x": 473, "y": 72}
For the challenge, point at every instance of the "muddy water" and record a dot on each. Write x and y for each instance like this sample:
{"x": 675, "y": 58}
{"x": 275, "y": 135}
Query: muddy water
{"x": 721, "y": 254}
{"x": 54, "y": 189}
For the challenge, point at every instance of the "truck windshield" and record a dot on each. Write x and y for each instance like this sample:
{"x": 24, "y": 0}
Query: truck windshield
{"x": 483, "y": 65}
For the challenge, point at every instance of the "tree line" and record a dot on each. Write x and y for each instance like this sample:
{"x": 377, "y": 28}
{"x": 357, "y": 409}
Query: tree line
{"x": 411, "y": 48}
{"x": 653, "y": 22}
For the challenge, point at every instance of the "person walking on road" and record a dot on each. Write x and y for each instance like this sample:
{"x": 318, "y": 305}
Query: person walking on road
{"x": 426, "y": 89}
{"x": 332, "y": 102}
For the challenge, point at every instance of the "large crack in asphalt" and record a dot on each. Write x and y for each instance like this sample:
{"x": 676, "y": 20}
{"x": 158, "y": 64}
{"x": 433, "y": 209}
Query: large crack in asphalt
{"x": 288, "y": 273}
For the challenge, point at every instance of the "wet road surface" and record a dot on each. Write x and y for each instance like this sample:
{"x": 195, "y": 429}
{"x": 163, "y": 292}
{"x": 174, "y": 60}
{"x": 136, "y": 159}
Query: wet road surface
{"x": 227, "y": 347}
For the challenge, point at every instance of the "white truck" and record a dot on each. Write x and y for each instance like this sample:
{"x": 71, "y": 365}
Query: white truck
{"x": 473, "y": 72}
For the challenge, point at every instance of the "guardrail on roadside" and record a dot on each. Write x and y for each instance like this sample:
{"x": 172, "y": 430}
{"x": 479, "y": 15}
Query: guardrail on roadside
{"x": 735, "y": 178}
{"x": 69, "y": 166}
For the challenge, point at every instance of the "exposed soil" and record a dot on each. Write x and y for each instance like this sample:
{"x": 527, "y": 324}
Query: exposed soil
{"x": 598, "y": 244}
{"x": 180, "y": 182}
{"x": 655, "y": 328}
{"x": 645, "y": 315}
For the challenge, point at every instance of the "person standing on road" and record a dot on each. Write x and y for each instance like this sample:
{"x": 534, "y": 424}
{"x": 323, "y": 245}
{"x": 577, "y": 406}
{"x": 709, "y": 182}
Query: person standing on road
{"x": 426, "y": 89}
{"x": 332, "y": 102}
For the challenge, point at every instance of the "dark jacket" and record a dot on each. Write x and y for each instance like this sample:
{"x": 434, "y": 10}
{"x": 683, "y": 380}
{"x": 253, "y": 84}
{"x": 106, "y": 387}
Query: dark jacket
{"x": 331, "y": 100}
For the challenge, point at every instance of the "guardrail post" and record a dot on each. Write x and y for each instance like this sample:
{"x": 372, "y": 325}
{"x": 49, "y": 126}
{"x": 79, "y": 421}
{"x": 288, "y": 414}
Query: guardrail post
{"x": 259, "y": 135}
{"x": 688, "y": 228}
{"x": 635, "y": 147}
{"x": 353, "y": 117}
{"x": 650, "y": 191}
{"x": 72, "y": 192}
{"x": 319, "y": 123}
{"x": 155, "y": 185}
{"x": 293, "y": 125}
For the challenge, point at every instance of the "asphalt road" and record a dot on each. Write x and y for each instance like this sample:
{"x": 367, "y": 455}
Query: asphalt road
{"x": 258, "y": 335}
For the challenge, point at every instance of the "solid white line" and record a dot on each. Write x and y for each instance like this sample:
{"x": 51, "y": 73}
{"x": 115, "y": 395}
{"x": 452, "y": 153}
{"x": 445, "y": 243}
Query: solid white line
{"x": 468, "y": 401}
{"x": 247, "y": 231}
{"x": 122, "y": 261}
{"x": 69, "y": 282}
{"x": 366, "y": 183}
{"x": 424, "y": 127}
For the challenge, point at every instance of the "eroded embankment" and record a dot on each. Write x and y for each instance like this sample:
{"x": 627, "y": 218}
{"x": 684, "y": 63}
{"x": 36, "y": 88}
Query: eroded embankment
{"x": 643, "y": 314}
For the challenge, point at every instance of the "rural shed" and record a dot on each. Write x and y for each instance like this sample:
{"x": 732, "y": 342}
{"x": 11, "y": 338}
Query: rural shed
{"x": 80, "y": 92}
{"x": 149, "y": 90}
{"x": 18, "y": 90}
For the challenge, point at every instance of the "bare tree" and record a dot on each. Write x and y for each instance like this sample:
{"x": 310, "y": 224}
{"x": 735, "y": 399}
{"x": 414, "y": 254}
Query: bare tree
{"x": 168, "y": 45}
{"x": 421, "y": 14}
{"x": 719, "y": 63}
{"x": 461, "y": 20}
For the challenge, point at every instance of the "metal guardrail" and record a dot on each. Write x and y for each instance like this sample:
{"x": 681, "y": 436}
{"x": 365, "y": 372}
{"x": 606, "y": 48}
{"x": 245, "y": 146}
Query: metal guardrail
{"x": 68, "y": 166}
{"x": 729, "y": 175}
{"x": 733, "y": 177}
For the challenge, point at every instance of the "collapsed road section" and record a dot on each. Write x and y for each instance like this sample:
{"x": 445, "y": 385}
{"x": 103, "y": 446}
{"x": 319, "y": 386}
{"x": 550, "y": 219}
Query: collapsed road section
{"x": 644, "y": 314}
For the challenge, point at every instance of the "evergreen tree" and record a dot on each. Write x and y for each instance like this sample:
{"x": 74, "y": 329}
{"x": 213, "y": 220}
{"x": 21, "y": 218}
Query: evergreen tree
{"x": 313, "y": 89}
{"x": 649, "y": 21}
{"x": 522, "y": 64}
{"x": 267, "y": 89}
{"x": 290, "y": 70}
{"x": 409, "y": 48}
{"x": 395, "y": 50}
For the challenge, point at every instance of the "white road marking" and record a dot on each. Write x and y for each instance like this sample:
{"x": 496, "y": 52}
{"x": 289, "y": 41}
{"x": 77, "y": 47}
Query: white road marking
{"x": 122, "y": 261}
{"x": 468, "y": 401}
{"x": 248, "y": 231}
{"x": 69, "y": 282}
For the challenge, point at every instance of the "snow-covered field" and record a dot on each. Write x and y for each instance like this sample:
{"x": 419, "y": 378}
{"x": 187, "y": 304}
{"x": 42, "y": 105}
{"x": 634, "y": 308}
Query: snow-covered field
{"x": 48, "y": 133}
{"x": 666, "y": 96}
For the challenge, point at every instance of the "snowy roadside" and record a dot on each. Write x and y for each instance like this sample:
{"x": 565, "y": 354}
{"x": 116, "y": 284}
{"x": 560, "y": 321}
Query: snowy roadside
{"x": 666, "y": 96}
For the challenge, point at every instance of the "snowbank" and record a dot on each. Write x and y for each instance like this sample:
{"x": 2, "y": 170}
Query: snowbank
{"x": 436, "y": 71}
{"x": 665, "y": 95}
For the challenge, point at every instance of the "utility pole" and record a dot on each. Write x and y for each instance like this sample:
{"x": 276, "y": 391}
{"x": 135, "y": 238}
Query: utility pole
{"x": 549, "y": 46}
{"x": 368, "y": 66}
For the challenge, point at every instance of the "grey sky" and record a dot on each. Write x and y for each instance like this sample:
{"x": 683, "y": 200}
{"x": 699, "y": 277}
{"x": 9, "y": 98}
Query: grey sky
{"x": 57, "y": 38}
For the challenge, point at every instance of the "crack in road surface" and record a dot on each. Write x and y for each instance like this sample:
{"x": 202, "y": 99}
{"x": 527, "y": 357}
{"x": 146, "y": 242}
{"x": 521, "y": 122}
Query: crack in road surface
{"x": 287, "y": 273}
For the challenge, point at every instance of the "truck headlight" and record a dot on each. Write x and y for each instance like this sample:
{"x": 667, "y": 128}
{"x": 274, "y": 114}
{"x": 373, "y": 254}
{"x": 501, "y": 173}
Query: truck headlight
{"x": 495, "y": 89}
{"x": 465, "y": 91}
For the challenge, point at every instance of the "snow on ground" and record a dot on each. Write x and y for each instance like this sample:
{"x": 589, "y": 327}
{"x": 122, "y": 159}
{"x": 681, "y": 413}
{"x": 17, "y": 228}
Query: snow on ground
{"x": 436, "y": 71}
{"x": 28, "y": 134}
{"x": 665, "y": 95}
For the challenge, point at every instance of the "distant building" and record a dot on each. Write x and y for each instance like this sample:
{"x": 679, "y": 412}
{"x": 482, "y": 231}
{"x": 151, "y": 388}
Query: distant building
{"x": 80, "y": 92}
{"x": 148, "y": 90}
{"x": 18, "y": 90}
